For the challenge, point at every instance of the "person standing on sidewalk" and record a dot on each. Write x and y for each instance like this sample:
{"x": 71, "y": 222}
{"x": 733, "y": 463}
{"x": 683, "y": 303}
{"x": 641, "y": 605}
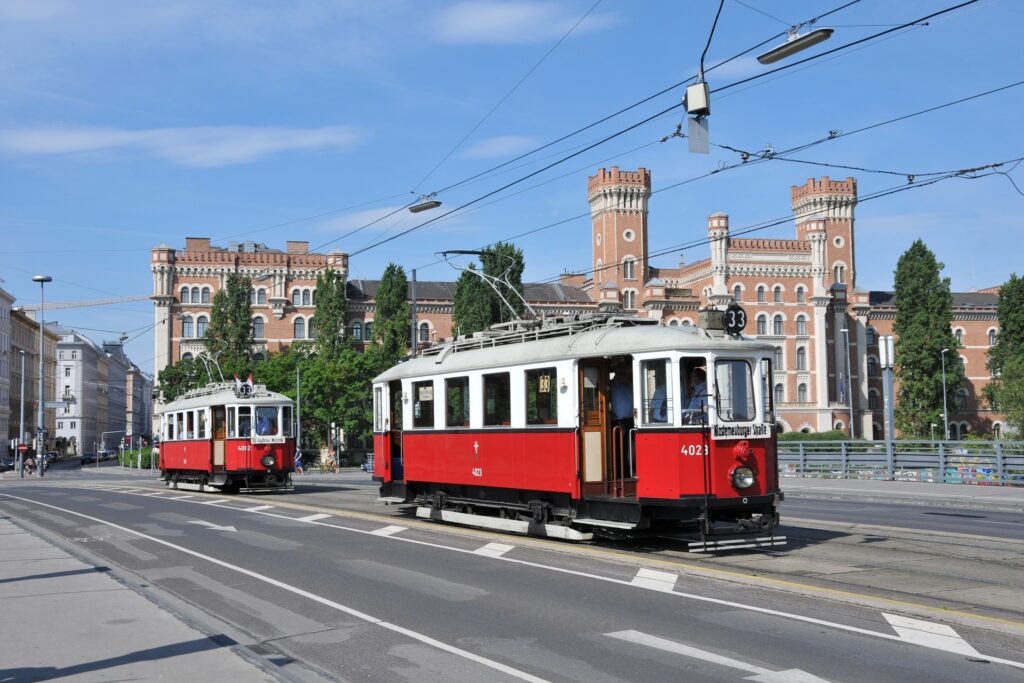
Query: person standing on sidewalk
{"x": 298, "y": 461}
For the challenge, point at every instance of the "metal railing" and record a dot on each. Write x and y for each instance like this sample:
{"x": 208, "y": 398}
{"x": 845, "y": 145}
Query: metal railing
{"x": 993, "y": 463}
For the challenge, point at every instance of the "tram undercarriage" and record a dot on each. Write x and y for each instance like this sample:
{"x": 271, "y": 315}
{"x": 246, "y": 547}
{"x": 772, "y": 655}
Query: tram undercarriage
{"x": 236, "y": 481}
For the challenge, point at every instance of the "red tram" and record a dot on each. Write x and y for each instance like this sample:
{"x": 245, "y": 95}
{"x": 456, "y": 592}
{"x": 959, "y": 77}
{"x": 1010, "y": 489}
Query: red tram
{"x": 591, "y": 425}
{"x": 228, "y": 437}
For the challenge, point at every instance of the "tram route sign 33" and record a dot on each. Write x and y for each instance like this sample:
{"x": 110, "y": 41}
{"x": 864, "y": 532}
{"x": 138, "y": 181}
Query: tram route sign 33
{"x": 735, "y": 319}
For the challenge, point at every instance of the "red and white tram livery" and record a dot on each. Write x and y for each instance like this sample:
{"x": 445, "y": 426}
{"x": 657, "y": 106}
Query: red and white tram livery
{"x": 597, "y": 424}
{"x": 228, "y": 436}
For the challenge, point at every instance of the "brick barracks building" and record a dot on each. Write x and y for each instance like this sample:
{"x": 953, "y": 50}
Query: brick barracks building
{"x": 799, "y": 294}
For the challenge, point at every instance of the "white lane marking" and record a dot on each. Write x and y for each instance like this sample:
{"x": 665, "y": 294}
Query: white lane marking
{"x": 937, "y": 636}
{"x": 182, "y": 497}
{"x": 211, "y": 525}
{"x": 214, "y": 502}
{"x": 158, "y": 493}
{"x": 493, "y": 549}
{"x": 759, "y": 672}
{"x": 388, "y": 530}
{"x": 465, "y": 654}
{"x": 258, "y": 508}
{"x": 655, "y": 580}
{"x": 312, "y": 518}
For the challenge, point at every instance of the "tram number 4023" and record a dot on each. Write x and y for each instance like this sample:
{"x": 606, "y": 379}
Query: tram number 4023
{"x": 694, "y": 449}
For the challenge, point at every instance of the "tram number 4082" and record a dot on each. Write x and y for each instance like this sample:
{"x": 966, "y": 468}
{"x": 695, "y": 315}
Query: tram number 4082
{"x": 694, "y": 449}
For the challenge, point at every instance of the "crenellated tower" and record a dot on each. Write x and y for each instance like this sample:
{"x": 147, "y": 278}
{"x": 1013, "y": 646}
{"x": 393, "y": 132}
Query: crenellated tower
{"x": 831, "y": 202}
{"x": 618, "y": 211}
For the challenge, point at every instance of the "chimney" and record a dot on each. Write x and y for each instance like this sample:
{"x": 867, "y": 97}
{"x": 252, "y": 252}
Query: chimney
{"x": 197, "y": 244}
{"x": 297, "y": 247}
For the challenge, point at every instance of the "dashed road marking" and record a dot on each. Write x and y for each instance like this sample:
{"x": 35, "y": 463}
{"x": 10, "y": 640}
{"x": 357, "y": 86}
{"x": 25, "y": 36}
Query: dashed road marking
{"x": 214, "y": 502}
{"x": 312, "y": 518}
{"x": 182, "y": 497}
{"x": 929, "y": 634}
{"x": 655, "y": 580}
{"x": 388, "y": 530}
{"x": 258, "y": 508}
{"x": 494, "y": 549}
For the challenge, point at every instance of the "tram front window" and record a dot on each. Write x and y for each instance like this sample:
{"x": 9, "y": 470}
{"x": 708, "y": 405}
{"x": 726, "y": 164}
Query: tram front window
{"x": 244, "y": 422}
{"x": 734, "y": 391}
{"x": 266, "y": 420}
{"x": 657, "y": 392}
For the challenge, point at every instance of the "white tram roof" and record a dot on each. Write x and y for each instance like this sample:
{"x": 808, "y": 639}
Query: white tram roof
{"x": 223, "y": 393}
{"x": 618, "y": 337}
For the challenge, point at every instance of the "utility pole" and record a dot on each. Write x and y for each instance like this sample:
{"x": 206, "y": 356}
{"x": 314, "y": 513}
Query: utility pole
{"x": 849, "y": 383}
{"x": 887, "y": 353}
{"x": 40, "y": 424}
{"x": 298, "y": 409}
{"x": 945, "y": 410}
{"x": 413, "y": 317}
{"x": 21, "y": 426}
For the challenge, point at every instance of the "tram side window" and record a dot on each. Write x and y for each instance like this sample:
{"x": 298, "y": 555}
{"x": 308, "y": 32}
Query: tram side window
{"x": 457, "y": 394}
{"x": 657, "y": 391}
{"x": 201, "y": 425}
{"x": 497, "y": 400}
{"x": 286, "y": 420}
{"x": 766, "y": 391}
{"x": 423, "y": 404}
{"x": 244, "y": 422}
{"x": 169, "y": 426}
{"x": 266, "y": 420}
{"x": 378, "y": 409}
{"x": 179, "y": 419}
{"x": 542, "y": 396}
{"x": 190, "y": 424}
{"x": 231, "y": 422}
{"x": 734, "y": 391}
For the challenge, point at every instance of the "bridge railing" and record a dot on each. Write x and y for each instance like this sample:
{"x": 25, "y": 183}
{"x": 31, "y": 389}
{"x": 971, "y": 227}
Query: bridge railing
{"x": 993, "y": 463}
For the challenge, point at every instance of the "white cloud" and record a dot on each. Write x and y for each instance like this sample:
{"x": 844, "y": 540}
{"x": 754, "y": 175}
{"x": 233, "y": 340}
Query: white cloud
{"x": 497, "y": 22}
{"x": 199, "y": 147}
{"x": 357, "y": 219}
{"x": 500, "y": 146}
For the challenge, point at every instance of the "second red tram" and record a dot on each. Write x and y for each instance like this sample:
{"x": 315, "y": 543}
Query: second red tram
{"x": 594, "y": 424}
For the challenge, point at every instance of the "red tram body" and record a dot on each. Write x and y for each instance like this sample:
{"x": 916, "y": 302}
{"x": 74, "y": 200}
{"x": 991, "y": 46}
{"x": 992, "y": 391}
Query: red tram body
{"x": 228, "y": 437}
{"x": 515, "y": 429}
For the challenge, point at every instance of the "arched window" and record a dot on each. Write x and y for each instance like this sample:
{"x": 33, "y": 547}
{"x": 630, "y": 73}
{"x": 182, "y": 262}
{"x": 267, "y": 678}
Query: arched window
{"x": 687, "y": 323}
{"x": 258, "y": 356}
{"x": 737, "y": 293}
{"x": 997, "y": 431}
{"x": 872, "y": 336}
{"x": 252, "y": 297}
{"x": 311, "y": 329}
{"x": 186, "y": 327}
{"x": 777, "y": 325}
{"x": 312, "y": 296}
{"x": 991, "y": 337}
{"x": 298, "y": 328}
{"x": 801, "y": 393}
{"x": 801, "y": 358}
{"x": 959, "y": 334}
{"x": 629, "y": 268}
{"x": 261, "y": 296}
{"x": 424, "y": 330}
{"x": 185, "y": 300}
{"x": 762, "y": 324}
{"x": 186, "y": 356}
{"x": 629, "y": 299}
{"x": 954, "y": 431}
{"x": 777, "y": 294}
{"x": 369, "y": 331}
{"x": 296, "y": 297}
{"x": 839, "y": 273}
{"x": 258, "y": 326}
{"x": 202, "y": 322}
{"x": 801, "y": 325}
{"x": 673, "y": 322}
{"x": 777, "y": 361}
{"x": 206, "y": 295}
{"x": 760, "y": 293}
{"x": 960, "y": 401}
{"x": 195, "y": 295}
{"x": 872, "y": 400}
{"x": 872, "y": 366}
{"x": 305, "y": 297}
{"x": 801, "y": 295}
{"x": 357, "y": 331}
{"x": 780, "y": 394}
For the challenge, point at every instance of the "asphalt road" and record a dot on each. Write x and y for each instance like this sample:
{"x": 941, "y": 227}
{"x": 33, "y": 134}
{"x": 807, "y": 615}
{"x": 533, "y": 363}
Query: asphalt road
{"x": 360, "y": 599}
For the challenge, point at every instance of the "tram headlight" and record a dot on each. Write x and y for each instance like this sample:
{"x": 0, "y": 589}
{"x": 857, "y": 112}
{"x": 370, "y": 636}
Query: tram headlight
{"x": 267, "y": 461}
{"x": 743, "y": 477}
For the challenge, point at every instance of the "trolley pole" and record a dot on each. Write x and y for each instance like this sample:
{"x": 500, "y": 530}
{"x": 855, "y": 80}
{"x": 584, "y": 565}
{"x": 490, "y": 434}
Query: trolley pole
{"x": 413, "y": 316}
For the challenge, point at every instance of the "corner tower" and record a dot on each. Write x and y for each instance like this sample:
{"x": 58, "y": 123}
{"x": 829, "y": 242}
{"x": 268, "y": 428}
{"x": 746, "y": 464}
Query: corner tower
{"x": 618, "y": 212}
{"x": 831, "y": 203}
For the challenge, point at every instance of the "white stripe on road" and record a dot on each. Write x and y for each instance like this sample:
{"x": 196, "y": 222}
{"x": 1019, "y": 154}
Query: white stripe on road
{"x": 182, "y": 497}
{"x": 312, "y": 518}
{"x": 655, "y": 580}
{"x": 465, "y": 654}
{"x": 388, "y": 530}
{"x": 214, "y": 502}
{"x": 158, "y": 493}
{"x": 493, "y": 549}
{"x": 258, "y": 508}
{"x": 759, "y": 673}
{"x": 937, "y": 636}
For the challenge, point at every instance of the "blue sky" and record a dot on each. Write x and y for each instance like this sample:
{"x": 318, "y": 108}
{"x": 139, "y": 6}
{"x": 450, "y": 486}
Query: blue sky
{"x": 125, "y": 124}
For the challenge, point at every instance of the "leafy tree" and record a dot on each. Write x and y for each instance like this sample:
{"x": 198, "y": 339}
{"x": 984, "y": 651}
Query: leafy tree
{"x": 504, "y": 262}
{"x": 473, "y": 298}
{"x": 185, "y": 375}
{"x": 229, "y": 335}
{"x": 393, "y": 320}
{"x": 330, "y": 313}
{"x": 1006, "y": 358}
{"x": 924, "y": 311}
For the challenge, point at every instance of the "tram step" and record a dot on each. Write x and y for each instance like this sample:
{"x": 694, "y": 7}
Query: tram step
{"x": 516, "y": 526}
{"x": 604, "y": 523}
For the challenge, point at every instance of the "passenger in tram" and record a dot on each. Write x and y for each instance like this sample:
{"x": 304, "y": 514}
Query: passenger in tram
{"x": 244, "y": 426}
{"x": 697, "y": 406}
{"x": 265, "y": 425}
{"x": 622, "y": 395}
{"x": 659, "y": 404}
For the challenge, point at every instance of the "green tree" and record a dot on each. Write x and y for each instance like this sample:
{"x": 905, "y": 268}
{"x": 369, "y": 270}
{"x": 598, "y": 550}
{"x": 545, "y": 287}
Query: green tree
{"x": 504, "y": 263}
{"x": 393, "y": 319}
{"x": 1006, "y": 358}
{"x": 229, "y": 335}
{"x": 330, "y": 313}
{"x": 924, "y": 311}
{"x": 185, "y": 375}
{"x": 473, "y": 298}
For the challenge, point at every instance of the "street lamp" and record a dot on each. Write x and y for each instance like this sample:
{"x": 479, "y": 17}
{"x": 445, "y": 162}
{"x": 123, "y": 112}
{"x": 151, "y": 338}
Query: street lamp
{"x": 426, "y": 203}
{"x": 945, "y": 411}
{"x": 795, "y": 43}
{"x": 849, "y": 383}
{"x": 40, "y": 424}
{"x": 933, "y": 430}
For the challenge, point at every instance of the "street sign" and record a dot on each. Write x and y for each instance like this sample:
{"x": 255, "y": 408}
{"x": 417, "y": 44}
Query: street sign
{"x": 23, "y": 448}
{"x": 735, "y": 319}
{"x": 55, "y": 405}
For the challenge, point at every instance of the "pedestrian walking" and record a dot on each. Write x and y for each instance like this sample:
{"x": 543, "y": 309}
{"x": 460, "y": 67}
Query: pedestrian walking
{"x": 298, "y": 461}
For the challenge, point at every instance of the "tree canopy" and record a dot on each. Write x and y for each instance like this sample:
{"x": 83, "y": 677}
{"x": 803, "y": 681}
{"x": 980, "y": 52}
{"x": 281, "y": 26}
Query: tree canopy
{"x": 505, "y": 263}
{"x": 392, "y": 322}
{"x": 472, "y": 307}
{"x": 330, "y": 313}
{"x": 924, "y": 313}
{"x": 1006, "y": 358}
{"x": 229, "y": 336}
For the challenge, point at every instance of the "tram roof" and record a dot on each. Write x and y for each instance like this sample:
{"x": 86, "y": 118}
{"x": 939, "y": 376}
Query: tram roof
{"x": 224, "y": 394}
{"x": 530, "y": 347}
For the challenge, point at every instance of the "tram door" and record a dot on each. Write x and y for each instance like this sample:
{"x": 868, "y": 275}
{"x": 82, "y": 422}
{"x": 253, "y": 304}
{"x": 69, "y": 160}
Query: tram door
{"x": 395, "y": 426}
{"x": 593, "y": 424}
{"x": 219, "y": 428}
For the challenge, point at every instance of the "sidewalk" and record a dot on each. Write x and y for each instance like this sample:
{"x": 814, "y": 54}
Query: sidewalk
{"x": 69, "y": 620}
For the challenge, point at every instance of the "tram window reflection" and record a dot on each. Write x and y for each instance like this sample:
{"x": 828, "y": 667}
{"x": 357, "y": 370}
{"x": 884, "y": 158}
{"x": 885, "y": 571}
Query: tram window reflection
{"x": 497, "y": 400}
{"x": 734, "y": 391}
{"x": 201, "y": 424}
{"x": 541, "y": 396}
{"x": 244, "y": 422}
{"x": 266, "y": 420}
{"x": 423, "y": 404}
{"x": 457, "y": 395}
{"x": 657, "y": 391}
{"x": 231, "y": 422}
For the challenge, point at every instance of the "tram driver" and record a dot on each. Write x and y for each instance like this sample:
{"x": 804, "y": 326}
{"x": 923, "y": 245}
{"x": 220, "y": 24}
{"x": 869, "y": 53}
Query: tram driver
{"x": 695, "y": 378}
